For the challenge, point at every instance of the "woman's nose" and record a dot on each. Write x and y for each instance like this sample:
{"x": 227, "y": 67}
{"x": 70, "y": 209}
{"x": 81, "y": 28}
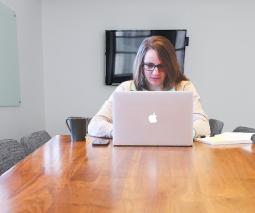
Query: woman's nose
{"x": 155, "y": 71}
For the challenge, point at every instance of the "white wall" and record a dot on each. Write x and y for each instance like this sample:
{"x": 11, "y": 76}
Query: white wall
{"x": 219, "y": 59}
{"x": 29, "y": 116}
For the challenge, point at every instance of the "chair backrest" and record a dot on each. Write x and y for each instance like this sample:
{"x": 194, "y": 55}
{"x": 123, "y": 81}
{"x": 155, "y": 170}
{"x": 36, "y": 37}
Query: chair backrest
{"x": 244, "y": 129}
{"x": 35, "y": 140}
{"x": 11, "y": 152}
{"x": 216, "y": 126}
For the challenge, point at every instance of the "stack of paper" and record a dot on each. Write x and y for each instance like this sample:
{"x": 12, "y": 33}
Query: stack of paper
{"x": 228, "y": 138}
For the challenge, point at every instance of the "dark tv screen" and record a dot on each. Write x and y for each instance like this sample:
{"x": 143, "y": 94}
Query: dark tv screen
{"x": 122, "y": 45}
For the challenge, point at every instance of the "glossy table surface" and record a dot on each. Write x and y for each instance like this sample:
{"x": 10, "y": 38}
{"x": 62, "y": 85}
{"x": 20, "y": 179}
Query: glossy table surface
{"x": 62, "y": 176}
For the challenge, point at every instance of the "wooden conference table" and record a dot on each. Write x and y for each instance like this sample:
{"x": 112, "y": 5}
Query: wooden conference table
{"x": 62, "y": 176}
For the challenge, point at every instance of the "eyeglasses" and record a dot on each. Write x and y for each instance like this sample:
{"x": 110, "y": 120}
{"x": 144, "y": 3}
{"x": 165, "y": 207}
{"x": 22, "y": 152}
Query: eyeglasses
{"x": 150, "y": 66}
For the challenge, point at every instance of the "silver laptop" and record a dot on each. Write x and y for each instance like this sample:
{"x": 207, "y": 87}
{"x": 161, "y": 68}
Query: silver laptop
{"x": 152, "y": 118}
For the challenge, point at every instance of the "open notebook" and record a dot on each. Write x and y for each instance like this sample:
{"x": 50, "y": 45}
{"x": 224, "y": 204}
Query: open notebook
{"x": 228, "y": 138}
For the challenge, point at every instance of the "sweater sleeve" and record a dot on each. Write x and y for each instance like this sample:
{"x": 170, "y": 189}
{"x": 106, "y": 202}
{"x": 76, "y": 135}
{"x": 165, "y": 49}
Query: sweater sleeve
{"x": 101, "y": 124}
{"x": 200, "y": 119}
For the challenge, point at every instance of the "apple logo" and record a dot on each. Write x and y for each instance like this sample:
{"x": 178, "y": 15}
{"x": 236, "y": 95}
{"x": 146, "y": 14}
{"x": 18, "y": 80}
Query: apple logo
{"x": 152, "y": 118}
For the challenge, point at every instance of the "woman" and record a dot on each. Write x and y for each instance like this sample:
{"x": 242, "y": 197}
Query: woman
{"x": 155, "y": 68}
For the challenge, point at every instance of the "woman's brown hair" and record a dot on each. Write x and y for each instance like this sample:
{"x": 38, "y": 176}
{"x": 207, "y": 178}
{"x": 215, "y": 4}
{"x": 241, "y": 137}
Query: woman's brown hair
{"x": 166, "y": 53}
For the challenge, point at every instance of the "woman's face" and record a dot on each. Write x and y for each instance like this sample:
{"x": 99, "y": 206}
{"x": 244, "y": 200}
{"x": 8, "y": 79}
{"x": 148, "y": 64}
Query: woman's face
{"x": 154, "y": 75}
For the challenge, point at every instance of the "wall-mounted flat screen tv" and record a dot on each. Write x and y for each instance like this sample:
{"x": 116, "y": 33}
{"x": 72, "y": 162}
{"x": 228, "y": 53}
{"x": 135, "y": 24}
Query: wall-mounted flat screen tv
{"x": 122, "y": 45}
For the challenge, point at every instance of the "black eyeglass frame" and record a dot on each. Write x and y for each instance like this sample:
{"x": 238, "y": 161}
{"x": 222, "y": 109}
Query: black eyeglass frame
{"x": 153, "y": 66}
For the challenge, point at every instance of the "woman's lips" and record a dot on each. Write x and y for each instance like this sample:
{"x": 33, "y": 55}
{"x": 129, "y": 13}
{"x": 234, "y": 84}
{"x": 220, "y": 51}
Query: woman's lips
{"x": 154, "y": 78}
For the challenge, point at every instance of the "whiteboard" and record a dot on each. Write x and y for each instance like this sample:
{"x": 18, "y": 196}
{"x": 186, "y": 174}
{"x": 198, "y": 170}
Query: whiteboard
{"x": 9, "y": 73}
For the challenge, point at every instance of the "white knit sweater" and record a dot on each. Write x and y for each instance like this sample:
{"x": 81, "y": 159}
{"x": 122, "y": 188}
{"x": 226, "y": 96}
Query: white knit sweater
{"x": 101, "y": 123}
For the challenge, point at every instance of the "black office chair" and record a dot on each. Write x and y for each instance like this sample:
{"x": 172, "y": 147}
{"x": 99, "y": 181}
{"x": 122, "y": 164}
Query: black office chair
{"x": 216, "y": 126}
{"x": 35, "y": 140}
{"x": 11, "y": 152}
{"x": 244, "y": 129}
